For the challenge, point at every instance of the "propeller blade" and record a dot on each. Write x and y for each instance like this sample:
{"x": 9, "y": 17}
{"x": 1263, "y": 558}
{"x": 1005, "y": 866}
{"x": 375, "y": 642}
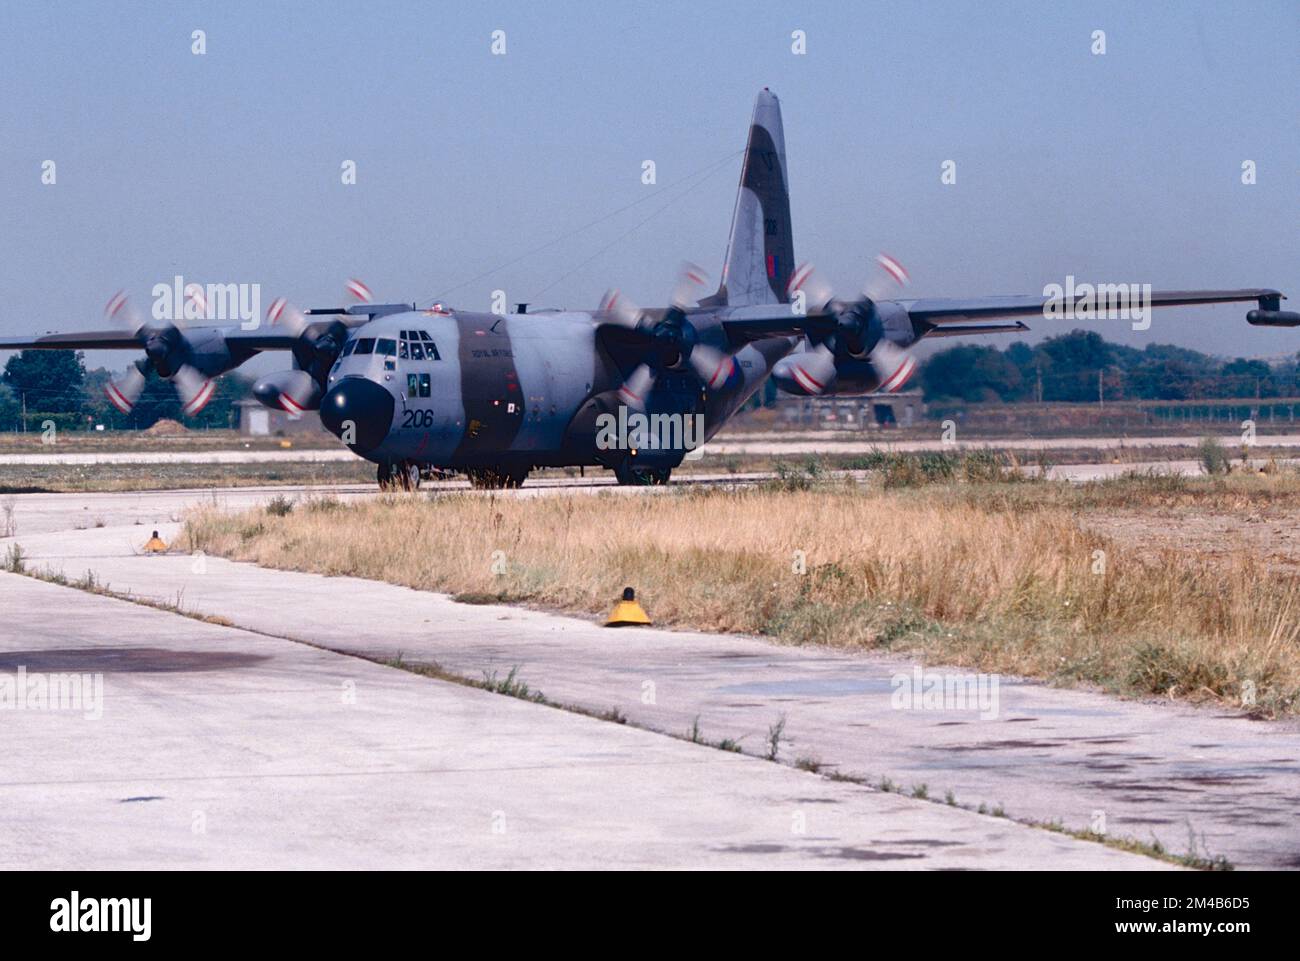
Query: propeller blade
{"x": 888, "y": 279}
{"x": 712, "y": 366}
{"x": 893, "y": 365}
{"x": 619, "y": 309}
{"x": 194, "y": 388}
{"x": 814, "y": 370}
{"x": 671, "y": 339}
{"x": 292, "y": 391}
{"x": 124, "y": 390}
{"x": 689, "y": 279}
{"x": 358, "y": 291}
{"x": 196, "y": 303}
{"x": 281, "y": 313}
{"x": 817, "y": 291}
{"x": 165, "y": 347}
{"x": 120, "y": 310}
{"x": 637, "y": 387}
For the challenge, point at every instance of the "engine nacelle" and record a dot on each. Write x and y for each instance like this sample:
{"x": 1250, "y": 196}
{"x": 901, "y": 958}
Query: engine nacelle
{"x": 852, "y": 378}
{"x": 884, "y": 364}
{"x": 293, "y": 391}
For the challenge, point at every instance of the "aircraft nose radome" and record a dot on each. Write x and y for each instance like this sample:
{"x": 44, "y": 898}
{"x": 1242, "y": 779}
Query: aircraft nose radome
{"x": 363, "y": 404}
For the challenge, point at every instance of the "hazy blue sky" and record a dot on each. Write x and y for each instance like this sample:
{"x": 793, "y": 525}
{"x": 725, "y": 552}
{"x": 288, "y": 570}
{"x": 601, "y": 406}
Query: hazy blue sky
{"x": 225, "y": 167}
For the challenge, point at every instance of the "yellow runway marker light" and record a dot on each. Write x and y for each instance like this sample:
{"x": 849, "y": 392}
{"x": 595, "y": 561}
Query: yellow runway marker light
{"x": 627, "y": 612}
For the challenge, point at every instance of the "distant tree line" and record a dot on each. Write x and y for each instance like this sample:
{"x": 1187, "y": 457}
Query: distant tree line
{"x": 54, "y": 385}
{"x": 1074, "y": 367}
{"x": 1077, "y": 366}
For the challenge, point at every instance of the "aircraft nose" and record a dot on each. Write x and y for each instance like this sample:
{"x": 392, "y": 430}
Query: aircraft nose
{"x": 364, "y": 405}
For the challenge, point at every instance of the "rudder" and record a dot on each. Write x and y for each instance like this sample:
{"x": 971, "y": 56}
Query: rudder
{"x": 760, "y": 252}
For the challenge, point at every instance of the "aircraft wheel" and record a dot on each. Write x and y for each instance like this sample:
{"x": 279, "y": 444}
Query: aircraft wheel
{"x": 408, "y": 476}
{"x": 628, "y": 475}
{"x": 384, "y": 474}
{"x": 497, "y": 478}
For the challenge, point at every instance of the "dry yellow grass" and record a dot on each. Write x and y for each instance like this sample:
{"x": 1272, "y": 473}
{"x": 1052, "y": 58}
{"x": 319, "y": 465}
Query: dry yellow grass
{"x": 962, "y": 579}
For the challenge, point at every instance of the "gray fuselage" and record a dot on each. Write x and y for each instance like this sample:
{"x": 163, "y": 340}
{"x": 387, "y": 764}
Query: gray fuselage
{"x": 479, "y": 389}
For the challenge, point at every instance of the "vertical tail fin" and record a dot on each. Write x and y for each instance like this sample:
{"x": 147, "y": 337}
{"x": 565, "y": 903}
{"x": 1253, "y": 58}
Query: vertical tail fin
{"x": 760, "y": 253}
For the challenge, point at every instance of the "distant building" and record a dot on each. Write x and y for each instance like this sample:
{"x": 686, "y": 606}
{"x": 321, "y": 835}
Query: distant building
{"x": 256, "y": 420}
{"x": 872, "y": 412}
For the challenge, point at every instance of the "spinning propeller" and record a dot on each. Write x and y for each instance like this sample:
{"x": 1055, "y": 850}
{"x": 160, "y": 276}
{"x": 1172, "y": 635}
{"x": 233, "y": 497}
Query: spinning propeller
{"x": 166, "y": 350}
{"x": 358, "y": 291}
{"x": 314, "y": 354}
{"x": 673, "y": 340}
{"x": 857, "y": 328}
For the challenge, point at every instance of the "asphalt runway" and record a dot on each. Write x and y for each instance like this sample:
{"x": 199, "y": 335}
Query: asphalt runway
{"x": 1145, "y": 771}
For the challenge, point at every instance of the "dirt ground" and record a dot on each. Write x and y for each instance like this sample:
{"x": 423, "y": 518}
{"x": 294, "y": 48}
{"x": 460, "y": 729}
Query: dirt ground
{"x": 1270, "y": 533}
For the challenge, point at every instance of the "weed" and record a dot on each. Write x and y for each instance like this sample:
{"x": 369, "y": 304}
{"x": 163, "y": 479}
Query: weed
{"x": 279, "y": 506}
{"x": 1214, "y": 459}
{"x": 774, "y": 738}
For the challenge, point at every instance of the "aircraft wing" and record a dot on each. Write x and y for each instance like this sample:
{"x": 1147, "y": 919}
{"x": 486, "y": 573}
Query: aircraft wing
{"x": 250, "y": 341}
{"x": 747, "y": 324}
{"x": 937, "y": 311}
{"x": 86, "y": 340}
{"x": 957, "y": 316}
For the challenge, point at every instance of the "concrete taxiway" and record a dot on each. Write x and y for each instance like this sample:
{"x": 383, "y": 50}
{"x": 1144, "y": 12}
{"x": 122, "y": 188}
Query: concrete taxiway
{"x": 216, "y": 747}
{"x": 220, "y": 748}
{"x": 1143, "y": 771}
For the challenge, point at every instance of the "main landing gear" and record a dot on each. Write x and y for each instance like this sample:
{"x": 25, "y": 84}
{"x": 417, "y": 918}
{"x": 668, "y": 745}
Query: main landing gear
{"x": 404, "y": 476}
{"x": 496, "y": 478}
{"x": 628, "y": 474}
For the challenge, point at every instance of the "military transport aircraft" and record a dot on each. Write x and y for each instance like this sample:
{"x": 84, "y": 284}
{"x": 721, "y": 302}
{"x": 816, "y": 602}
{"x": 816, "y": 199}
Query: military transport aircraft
{"x": 495, "y": 395}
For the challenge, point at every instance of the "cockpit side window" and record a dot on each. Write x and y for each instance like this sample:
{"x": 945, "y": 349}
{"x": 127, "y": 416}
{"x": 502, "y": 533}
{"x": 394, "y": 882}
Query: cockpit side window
{"x": 366, "y": 345}
{"x": 348, "y": 348}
